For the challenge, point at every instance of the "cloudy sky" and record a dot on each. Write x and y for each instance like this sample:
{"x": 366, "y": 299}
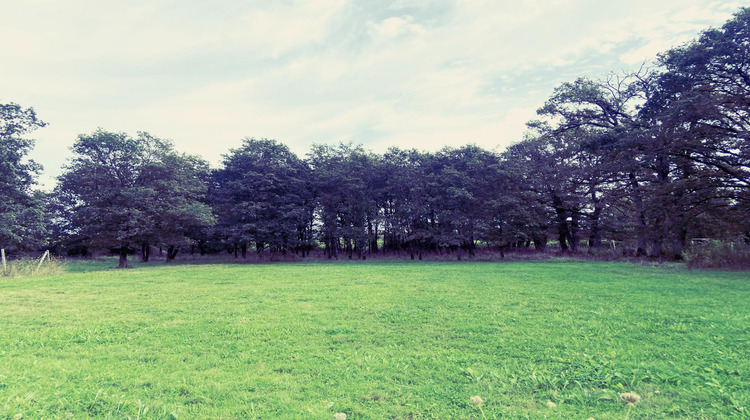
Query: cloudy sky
{"x": 409, "y": 73}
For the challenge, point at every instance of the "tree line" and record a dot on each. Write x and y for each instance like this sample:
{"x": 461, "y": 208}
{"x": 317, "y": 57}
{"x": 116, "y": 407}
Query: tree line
{"x": 650, "y": 159}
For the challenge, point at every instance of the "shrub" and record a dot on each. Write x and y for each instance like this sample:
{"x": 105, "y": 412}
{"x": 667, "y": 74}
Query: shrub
{"x": 719, "y": 254}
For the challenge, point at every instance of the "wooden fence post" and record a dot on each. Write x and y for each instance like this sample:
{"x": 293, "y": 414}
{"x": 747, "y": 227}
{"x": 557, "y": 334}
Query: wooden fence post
{"x": 5, "y": 267}
{"x": 46, "y": 254}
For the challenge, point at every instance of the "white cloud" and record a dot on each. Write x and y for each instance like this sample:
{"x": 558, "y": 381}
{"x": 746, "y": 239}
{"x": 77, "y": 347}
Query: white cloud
{"x": 393, "y": 27}
{"x": 412, "y": 73}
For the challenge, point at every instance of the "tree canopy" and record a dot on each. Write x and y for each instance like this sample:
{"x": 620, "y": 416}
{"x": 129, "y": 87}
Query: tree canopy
{"x": 122, "y": 191}
{"x": 22, "y": 219}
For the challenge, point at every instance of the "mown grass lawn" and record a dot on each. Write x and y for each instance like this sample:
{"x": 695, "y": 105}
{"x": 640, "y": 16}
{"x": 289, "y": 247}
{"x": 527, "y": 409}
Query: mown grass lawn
{"x": 376, "y": 340}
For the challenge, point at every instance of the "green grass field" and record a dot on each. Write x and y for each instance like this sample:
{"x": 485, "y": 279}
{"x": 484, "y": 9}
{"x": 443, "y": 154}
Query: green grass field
{"x": 375, "y": 340}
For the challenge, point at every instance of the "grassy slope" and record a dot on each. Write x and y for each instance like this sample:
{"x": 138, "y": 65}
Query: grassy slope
{"x": 376, "y": 341}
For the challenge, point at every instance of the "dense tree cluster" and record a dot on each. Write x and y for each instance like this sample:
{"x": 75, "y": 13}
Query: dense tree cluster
{"x": 121, "y": 192}
{"x": 647, "y": 160}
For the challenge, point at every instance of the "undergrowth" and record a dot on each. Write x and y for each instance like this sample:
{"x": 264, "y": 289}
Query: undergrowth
{"x": 719, "y": 254}
{"x": 30, "y": 267}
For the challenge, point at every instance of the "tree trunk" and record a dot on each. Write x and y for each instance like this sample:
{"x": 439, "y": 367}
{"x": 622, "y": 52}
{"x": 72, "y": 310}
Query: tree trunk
{"x": 375, "y": 246}
{"x": 595, "y": 236}
{"x": 145, "y": 251}
{"x": 562, "y": 223}
{"x": 641, "y": 230}
{"x": 678, "y": 243}
{"x": 656, "y": 240}
{"x": 172, "y": 252}
{"x": 123, "y": 262}
{"x": 540, "y": 241}
{"x": 573, "y": 232}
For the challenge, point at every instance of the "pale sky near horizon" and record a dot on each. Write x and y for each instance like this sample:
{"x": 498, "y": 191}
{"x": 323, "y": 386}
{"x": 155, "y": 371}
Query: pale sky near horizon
{"x": 407, "y": 73}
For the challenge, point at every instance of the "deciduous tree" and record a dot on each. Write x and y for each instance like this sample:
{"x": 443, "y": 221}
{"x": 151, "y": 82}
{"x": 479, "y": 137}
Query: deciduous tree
{"x": 124, "y": 191}
{"x": 22, "y": 219}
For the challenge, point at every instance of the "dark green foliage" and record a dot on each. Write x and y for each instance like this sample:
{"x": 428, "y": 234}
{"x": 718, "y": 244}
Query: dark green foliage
{"x": 22, "y": 218}
{"x": 420, "y": 202}
{"x": 262, "y": 196}
{"x": 462, "y": 193}
{"x": 665, "y": 149}
{"x": 591, "y": 167}
{"x": 405, "y": 216}
{"x": 719, "y": 254}
{"x": 121, "y": 192}
{"x": 703, "y": 102}
{"x": 343, "y": 182}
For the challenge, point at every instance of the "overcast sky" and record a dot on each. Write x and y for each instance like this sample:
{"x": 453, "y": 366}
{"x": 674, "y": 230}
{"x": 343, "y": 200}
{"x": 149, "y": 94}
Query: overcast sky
{"x": 409, "y": 73}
